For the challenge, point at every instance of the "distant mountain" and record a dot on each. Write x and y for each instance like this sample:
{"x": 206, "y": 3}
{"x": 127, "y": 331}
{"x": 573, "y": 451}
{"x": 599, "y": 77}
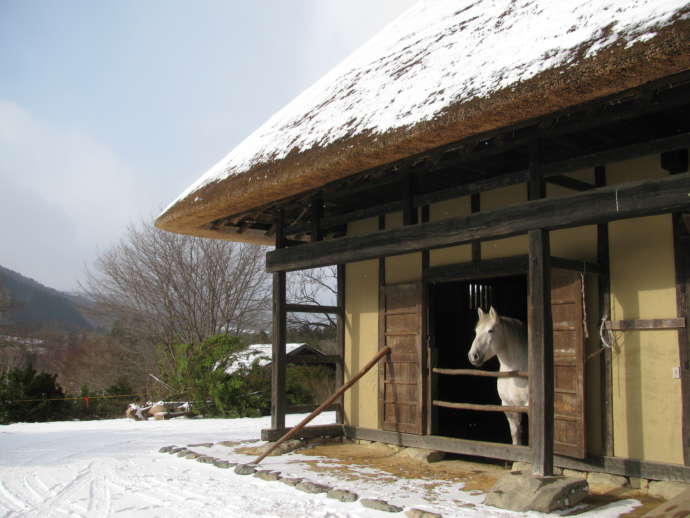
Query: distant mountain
{"x": 38, "y": 305}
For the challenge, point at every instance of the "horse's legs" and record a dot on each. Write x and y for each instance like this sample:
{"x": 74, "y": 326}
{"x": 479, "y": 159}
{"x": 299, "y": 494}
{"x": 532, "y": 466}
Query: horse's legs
{"x": 515, "y": 424}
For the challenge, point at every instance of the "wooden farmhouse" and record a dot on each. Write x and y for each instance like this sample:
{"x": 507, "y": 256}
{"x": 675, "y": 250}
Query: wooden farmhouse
{"x": 526, "y": 156}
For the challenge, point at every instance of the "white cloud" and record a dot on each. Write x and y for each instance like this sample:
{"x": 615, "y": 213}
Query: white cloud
{"x": 63, "y": 195}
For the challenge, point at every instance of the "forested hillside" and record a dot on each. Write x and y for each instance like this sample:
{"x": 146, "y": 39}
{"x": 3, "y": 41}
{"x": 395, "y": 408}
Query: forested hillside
{"x": 34, "y": 304}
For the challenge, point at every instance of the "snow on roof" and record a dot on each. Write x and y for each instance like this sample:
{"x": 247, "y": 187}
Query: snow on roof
{"x": 438, "y": 53}
{"x": 259, "y": 353}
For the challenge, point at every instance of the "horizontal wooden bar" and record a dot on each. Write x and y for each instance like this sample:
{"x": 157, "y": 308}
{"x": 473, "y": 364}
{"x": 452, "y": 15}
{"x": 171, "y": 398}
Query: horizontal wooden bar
{"x": 448, "y": 444}
{"x": 628, "y": 200}
{"x": 481, "y": 408}
{"x": 308, "y": 432}
{"x": 476, "y": 372}
{"x": 627, "y": 467}
{"x": 649, "y": 323}
{"x": 311, "y": 308}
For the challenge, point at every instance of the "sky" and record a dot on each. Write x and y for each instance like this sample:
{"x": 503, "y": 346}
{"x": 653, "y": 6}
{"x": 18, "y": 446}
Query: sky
{"x": 109, "y": 110}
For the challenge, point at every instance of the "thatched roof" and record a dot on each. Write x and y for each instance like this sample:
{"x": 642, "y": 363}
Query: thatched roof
{"x": 443, "y": 71}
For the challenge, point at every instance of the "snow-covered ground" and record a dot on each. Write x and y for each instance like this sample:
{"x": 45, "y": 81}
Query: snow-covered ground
{"x": 113, "y": 468}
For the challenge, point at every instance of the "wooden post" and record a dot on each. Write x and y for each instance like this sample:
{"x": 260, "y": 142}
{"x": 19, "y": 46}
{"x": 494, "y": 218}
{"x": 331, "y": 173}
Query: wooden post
{"x": 540, "y": 340}
{"x": 604, "y": 279}
{"x": 407, "y": 193}
{"x": 340, "y": 338}
{"x": 279, "y": 361}
{"x": 539, "y": 331}
{"x": 475, "y": 202}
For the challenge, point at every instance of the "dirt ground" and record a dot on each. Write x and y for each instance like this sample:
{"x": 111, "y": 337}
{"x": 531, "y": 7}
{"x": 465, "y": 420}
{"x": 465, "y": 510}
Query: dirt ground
{"x": 477, "y": 476}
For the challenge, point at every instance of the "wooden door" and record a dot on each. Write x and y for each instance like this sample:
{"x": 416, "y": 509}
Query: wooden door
{"x": 401, "y": 398}
{"x": 570, "y": 431}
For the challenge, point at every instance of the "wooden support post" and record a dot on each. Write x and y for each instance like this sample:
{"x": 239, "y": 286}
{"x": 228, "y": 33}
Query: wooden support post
{"x": 603, "y": 260}
{"x": 278, "y": 365}
{"x": 540, "y": 340}
{"x": 340, "y": 341}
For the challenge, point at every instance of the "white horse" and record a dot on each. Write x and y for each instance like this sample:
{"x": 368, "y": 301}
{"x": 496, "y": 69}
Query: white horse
{"x": 506, "y": 338}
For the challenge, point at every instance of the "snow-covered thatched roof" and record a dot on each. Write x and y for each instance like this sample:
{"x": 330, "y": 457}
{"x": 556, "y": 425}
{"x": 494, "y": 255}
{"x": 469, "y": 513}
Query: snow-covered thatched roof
{"x": 443, "y": 71}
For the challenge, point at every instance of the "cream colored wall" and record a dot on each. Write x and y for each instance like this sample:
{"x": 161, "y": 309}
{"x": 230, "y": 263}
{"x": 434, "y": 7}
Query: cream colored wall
{"x": 361, "y": 333}
{"x": 647, "y": 409}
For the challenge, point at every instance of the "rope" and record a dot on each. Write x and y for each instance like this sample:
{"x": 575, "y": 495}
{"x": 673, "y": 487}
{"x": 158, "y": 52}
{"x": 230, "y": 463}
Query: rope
{"x": 85, "y": 398}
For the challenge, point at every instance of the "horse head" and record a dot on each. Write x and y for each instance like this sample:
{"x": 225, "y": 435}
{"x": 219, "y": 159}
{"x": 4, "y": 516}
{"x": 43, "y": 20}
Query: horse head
{"x": 486, "y": 331}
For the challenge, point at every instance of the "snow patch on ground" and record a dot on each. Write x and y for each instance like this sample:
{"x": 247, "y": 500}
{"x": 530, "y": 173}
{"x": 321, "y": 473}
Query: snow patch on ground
{"x": 112, "y": 468}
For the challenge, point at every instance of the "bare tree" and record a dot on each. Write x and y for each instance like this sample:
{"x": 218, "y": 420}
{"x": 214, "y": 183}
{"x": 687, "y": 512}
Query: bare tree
{"x": 176, "y": 288}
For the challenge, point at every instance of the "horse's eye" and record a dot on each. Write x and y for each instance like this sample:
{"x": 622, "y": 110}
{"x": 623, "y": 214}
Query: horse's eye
{"x": 490, "y": 330}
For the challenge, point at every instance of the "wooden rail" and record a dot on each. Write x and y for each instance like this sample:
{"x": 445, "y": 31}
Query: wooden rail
{"x": 486, "y": 374}
{"x": 482, "y": 408}
{"x": 649, "y": 323}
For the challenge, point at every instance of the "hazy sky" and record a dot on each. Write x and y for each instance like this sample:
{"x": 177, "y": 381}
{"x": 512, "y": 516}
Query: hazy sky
{"x": 108, "y": 110}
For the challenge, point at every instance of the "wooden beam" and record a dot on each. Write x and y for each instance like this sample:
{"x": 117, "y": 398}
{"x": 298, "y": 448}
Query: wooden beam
{"x": 629, "y": 200}
{"x": 604, "y": 285}
{"x": 340, "y": 341}
{"x": 278, "y": 364}
{"x": 308, "y": 432}
{"x": 481, "y": 408}
{"x": 648, "y": 323}
{"x": 311, "y": 308}
{"x": 570, "y": 183}
{"x": 481, "y": 373}
{"x": 540, "y": 346}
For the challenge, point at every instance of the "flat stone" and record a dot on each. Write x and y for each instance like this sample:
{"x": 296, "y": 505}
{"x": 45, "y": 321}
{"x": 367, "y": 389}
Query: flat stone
{"x": 604, "y": 482}
{"x": 677, "y": 507}
{"x": 229, "y": 444}
{"x": 523, "y": 467}
{"x": 421, "y": 454}
{"x": 312, "y": 487}
{"x": 223, "y": 464}
{"x": 205, "y": 459}
{"x": 291, "y": 481}
{"x": 270, "y": 476}
{"x": 182, "y": 452}
{"x": 192, "y": 455}
{"x": 419, "y": 513}
{"x": 520, "y": 492}
{"x": 342, "y": 495}
{"x": 666, "y": 489}
{"x": 204, "y": 444}
{"x": 175, "y": 450}
{"x": 380, "y": 505}
{"x": 245, "y": 469}
{"x": 573, "y": 473}
{"x": 165, "y": 449}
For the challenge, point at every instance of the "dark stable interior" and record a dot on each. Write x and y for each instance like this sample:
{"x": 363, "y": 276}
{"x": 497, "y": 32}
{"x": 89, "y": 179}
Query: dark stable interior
{"x": 453, "y": 318}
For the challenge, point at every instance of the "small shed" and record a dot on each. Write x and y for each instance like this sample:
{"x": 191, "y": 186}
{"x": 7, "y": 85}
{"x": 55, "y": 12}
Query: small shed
{"x": 531, "y": 156}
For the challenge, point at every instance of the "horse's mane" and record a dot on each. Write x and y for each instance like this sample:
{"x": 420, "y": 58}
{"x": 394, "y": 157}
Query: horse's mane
{"x": 515, "y": 327}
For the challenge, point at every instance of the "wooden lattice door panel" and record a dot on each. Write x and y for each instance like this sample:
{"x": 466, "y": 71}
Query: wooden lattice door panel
{"x": 570, "y": 427}
{"x": 400, "y": 373}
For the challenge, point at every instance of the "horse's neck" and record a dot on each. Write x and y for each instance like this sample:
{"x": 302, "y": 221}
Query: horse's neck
{"x": 512, "y": 355}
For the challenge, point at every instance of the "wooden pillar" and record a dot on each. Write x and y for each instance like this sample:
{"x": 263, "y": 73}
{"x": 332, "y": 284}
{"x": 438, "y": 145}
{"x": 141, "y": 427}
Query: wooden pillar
{"x": 407, "y": 196}
{"x": 540, "y": 344}
{"x": 539, "y": 330}
{"x": 604, "y": 278}
{"x": 340, "y": 342}
{"x": 475, "y": 202}
{"x": 279, "y": 361}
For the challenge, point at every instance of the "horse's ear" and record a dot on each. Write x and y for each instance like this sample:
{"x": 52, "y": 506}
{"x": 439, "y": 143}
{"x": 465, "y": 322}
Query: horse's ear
{"x": 480, "y": 313}
{"x": 493, "y": 314}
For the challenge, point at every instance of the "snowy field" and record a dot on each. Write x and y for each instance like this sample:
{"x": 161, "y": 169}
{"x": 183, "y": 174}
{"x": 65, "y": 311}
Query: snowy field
{"x": 113, "y": 468}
